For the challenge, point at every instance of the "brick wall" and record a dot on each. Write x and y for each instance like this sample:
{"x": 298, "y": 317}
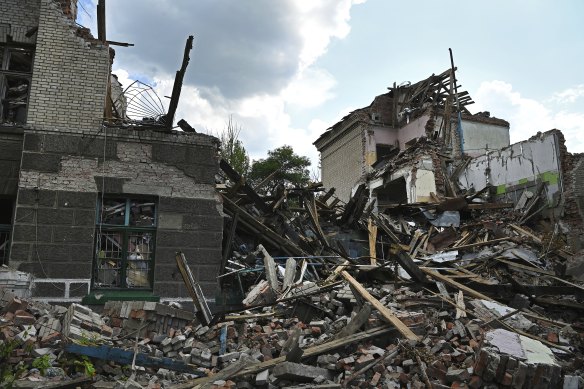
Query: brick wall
{"x": 70, "y": 75}
{"x": 61, "y": 175}
{"x": 342, "y": 162}
{"x": 17, "y": 17}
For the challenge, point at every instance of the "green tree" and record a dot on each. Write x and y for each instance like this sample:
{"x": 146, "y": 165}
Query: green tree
{"x": 284, "y": 166}
{"x": 232, "y": 149}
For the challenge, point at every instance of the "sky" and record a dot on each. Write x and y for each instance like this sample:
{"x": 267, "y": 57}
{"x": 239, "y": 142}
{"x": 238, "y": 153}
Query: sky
{"x": 287, "y": 70}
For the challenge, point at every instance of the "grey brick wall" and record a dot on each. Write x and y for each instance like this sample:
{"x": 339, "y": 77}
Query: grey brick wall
{"x": 17, "y": 17}
{"x": 62, "y": 173}
{"x": 53, "y": 233}
{"x": 342, "y": 162}
{"x": 70, "y": 75}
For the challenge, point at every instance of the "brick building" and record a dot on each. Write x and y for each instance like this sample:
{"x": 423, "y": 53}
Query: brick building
{"x": 394, "y": 121}
{"x": 94, "y": 210}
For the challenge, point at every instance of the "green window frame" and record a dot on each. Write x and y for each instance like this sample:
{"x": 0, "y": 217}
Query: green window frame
{"x": 125, "y": 243}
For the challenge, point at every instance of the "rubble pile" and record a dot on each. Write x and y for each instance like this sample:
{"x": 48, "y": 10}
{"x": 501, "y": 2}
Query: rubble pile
{"x": 461, "y": 292}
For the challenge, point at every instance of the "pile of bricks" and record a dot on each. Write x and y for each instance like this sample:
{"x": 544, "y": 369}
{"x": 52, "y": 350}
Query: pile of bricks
{"x": 453, "y": 351}
{"x": 81, "y": 323}
{"x": 146, "y": 317}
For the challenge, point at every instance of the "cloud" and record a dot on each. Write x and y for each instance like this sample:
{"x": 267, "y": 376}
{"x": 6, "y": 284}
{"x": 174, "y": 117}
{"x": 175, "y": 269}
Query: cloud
{"x": 569, "y": 95}
{"x": 528, "y": 116}
{"x": 254, "y": 62}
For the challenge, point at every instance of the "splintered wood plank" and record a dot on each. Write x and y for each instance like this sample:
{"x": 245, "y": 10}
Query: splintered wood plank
{"x": 372, "y": 241}
{"x": 289, "y": 273}
{"x": 466, "y": 246}
{"x": 526, "y": 233}
{"x": 460, "y": 307}
{"x": 437, "y": 276}
{"x": 385, "y": 312}
{"x": 270, "y": 269}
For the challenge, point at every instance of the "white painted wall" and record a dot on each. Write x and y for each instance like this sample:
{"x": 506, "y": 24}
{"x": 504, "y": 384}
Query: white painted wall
{"x": 480, "y": 137}
{"x": 520, "y": 162}
{"x": 414, "y": 129}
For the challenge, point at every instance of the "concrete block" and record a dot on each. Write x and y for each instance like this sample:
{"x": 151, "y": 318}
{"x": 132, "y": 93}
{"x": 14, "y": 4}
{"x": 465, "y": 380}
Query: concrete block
{"x": 299, "y": 372}
{"x": 39, "y": 162}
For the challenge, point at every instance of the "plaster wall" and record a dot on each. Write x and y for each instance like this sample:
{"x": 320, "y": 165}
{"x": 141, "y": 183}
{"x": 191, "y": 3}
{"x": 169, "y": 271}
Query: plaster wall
{"x": 518, "y": 167}
{"x": 414, "y": 129}
{"x": 481, "y": 137}
{"x": 384, "y": 135}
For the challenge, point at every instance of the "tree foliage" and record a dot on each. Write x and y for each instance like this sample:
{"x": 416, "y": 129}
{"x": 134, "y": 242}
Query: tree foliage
{"x": 232, "y": 149}
{"x": 288, "y": 168}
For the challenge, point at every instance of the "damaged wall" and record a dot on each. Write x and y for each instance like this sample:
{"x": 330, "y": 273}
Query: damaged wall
{"x": 478, "y": 137}
{"x": 342, "y": 163}
{"x": 61, "y": 176}
{"x": 519, "y": 167}
{"x": 16, "y": 18}
{"x": 414, "y": 182}
{"x": 70, "y": 74}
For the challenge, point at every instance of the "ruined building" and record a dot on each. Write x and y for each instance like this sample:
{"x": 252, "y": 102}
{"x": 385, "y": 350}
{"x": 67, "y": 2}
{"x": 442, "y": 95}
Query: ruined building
{"x": 393, "y": 122}
{"x": 93, "y": 203}
{"x": 419, "y": 141}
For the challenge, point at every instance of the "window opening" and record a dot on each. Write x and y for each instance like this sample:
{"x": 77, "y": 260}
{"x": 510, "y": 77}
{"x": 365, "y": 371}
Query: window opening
{"x": 126, "y": 233}
{"x": 15, "y": 75}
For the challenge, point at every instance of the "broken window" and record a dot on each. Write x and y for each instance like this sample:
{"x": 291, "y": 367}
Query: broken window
{"x": 126, "y": 231}
{"x": 6, "y": 209}
{"x": 15, "y": 76}
{"x": 383, "y": 150}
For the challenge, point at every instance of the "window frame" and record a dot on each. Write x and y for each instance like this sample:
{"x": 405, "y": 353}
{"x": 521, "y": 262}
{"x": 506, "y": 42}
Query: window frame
{"x": 125, "y": 232}
{"x": 6, "y": 73}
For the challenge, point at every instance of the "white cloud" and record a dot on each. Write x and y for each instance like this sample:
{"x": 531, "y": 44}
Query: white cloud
{"x": 528, "y": 116}
{"x": 262, "y": 112}
{"x": 310, "y": 88}
{"x": 569, "y": 95}
{"x": 320, "y": 21}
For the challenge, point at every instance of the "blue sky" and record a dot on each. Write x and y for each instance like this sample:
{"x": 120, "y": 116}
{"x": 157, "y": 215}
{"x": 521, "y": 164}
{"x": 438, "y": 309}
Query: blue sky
{"x": 287, "y": 70}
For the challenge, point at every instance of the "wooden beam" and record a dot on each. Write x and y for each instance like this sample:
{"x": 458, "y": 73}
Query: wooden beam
{"x": 263, "y": 232}
{"x": 203, "y": 311}
{"x": 178, "y": 82}
{"x": 402, "y": 257}
{"x": 525, "y": 267}
{"x": 372, "y": 242}
{"x": 101, "y": 34}
{"x": 385, "y": 312}
{"x": 471, "y": 292}
{"x": 123, "y": 44}
{"x": 467, "y": 246}
{"x": 523, "y": 231}
{"x": 248, "y": 190}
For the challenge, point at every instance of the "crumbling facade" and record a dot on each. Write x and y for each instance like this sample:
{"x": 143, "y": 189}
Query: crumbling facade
{"x": 394, "y": 121}
{"x": 93, "y": 210}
